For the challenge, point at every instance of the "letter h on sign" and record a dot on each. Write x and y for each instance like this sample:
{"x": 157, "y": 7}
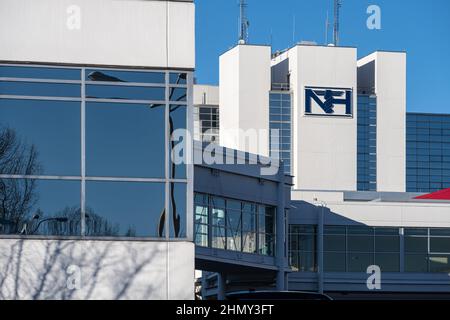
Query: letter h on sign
{"x": 328, "y": 101}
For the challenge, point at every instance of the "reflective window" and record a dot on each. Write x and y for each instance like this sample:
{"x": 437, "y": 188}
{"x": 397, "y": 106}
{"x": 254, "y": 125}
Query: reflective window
{"x": 235, "y": 225}
{"x": 39, "y": 137}
{"x": 302, "y": 248}
{"x": 177, "y": 204}
{"x": 39, "y": 73}
{"x": 201, "y": 223}
{"x": 125, "y": 140}
{"x": 334, "y": 261}
{"x": 367, "y": 143}
{"x": 124, "y": 209}
{"x": 40, "y": 207}
{"x": 280, "y": 119}
{"x": 178, "y": 78}
{"x": 178, "y": 94}
{"x": 177, "y": 147}
{"x": 40, "y": 89}
{"x": 125, "y": 92}
{"x": 125, "y": 76}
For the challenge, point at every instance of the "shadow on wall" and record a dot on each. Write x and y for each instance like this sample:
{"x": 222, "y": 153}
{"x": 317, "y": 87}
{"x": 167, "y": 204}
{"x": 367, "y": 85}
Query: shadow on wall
{"x": 64, "y": 270}
{"x": 302, "y": 212}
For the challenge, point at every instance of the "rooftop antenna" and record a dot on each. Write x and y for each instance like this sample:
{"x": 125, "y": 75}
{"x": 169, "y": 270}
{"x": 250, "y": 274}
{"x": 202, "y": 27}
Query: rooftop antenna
{"x": 337, "y": 7}
{"x": 293, "y": 28}
{"x": 327, "y": 28}
{"x": 244, "y": 24}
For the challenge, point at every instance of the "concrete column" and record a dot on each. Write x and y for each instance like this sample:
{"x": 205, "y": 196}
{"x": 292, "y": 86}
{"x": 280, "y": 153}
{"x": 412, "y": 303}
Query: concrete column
{"x": 221, "y": 286}
{"x": 402, "y": 249}
{"x": 321, "y": 212}
{"x": 280, "y": 253}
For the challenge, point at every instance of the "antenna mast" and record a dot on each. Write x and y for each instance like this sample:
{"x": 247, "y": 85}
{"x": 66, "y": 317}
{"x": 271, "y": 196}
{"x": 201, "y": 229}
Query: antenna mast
{"x": 337, "y": 7}
{"x": 243, "y": 22}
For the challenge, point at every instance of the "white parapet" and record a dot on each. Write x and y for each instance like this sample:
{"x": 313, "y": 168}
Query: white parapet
{"x": 104, "y": 32}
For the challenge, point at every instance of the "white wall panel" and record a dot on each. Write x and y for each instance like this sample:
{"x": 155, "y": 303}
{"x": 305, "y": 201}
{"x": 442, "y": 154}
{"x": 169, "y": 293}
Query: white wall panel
{"x": 40, "y": 269}
{"x": 112, "y": 32}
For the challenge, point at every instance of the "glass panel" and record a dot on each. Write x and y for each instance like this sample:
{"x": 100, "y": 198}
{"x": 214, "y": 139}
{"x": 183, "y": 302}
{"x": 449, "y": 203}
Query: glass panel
{"x": 334, "y": 230}
{"x": 249, "y": 242}
{"x": 124, "y": 209}
{"x": 136, "y": 130}
{"x": 334, "y": 262}
{"x": 266, "y": 244}
{"x": 439, "y": 244}
{"x": 177, "y": 121}
{"x": 125, "y": 76}
{"x": 178, "y": 78}
{"x": 388, "y": 262}
{"x": 416, "y": 263}
{"x": 201, "y": 198}
{"x": 334, "y": 243}
{"x": 306, "y": 242}
{"x": 40, "y": 207}
{"x": 440, "y": 263}
{"x": 40, "y": 73}
{"x": 416, "y": 244}
{"x": 360, "y": 243}
{"x": 387, "y": 243}
{"x": 218, "y": 202}
{"x": 218, "y": 238}
{"x": 39, "y": 137}
{"x": 178, "y": 212}
{"x": 201, "y": 214}
{"x": 178, "y": 94}
{"x": 234, "y": 220}
{"x": 306, "y": 261}
{"x": 40, "y": 89}
{"x": 233, "y": 239}
{"x": 125, "y": 92}
{"x": 358, "y": 262}
{"x": 218, "y": 217}
{"x": 201, "y": 235}
{"x": 248, "y": 222}
{"x": 440, "y": 232}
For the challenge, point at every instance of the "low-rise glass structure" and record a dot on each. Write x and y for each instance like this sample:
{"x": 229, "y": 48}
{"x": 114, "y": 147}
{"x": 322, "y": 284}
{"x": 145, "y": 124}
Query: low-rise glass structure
{"x": 229, "y": 224}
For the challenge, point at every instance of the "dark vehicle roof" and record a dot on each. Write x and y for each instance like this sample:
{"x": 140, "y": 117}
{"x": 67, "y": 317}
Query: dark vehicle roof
{"x": 277, "y": 295}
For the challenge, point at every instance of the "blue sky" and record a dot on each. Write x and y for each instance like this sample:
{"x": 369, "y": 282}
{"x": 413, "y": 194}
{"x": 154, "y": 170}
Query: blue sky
{"x": 419, "y": 27}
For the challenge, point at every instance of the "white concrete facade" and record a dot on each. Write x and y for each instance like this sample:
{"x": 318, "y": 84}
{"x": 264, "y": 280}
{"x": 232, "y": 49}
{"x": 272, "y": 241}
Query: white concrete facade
{"x": 139, "y": 33}
{"x": 421, "y": 214}
{"x": 385, "y": 74}
{"x": 95, "y": 270}
{"x": 324, "y": 147}
{"x": 206, "y": 95}
{"x": 244, "y": 98}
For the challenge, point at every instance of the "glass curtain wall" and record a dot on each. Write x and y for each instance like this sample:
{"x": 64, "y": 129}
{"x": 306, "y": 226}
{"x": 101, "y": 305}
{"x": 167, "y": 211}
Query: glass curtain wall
{"x": 280, "y": 119}
{"x": 86, "y": 152}
{"x": 427, "y": 152}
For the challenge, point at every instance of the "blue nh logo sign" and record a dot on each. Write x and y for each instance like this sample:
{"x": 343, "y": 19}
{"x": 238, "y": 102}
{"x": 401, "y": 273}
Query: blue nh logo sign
{"x": 332, "y": 102}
